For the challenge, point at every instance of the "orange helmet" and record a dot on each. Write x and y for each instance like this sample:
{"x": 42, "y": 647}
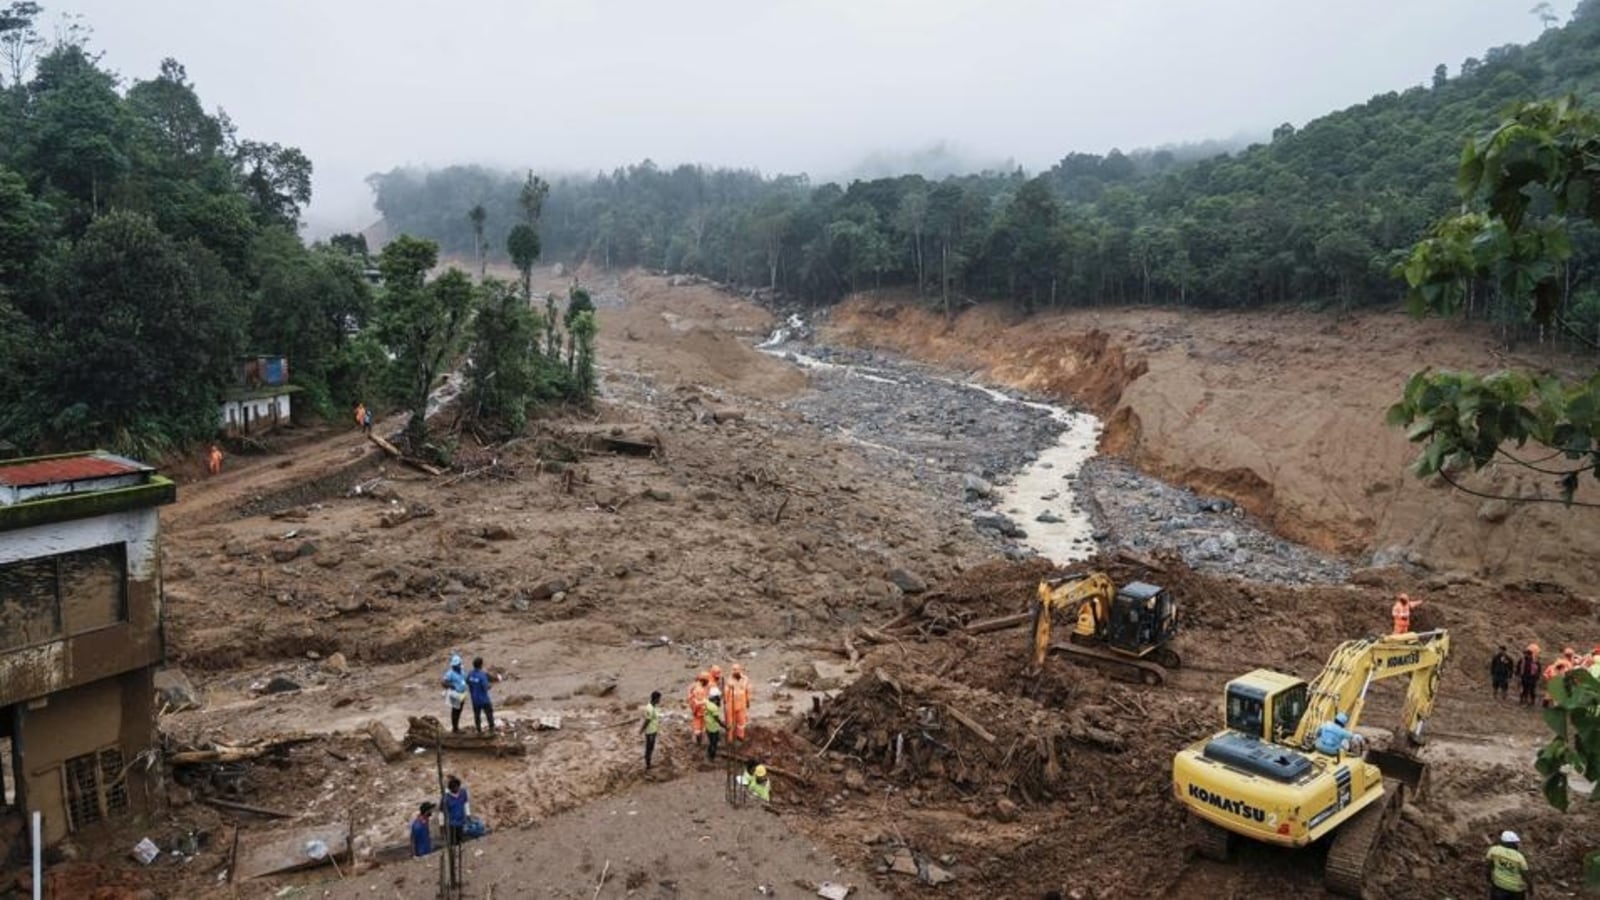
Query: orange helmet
{"x": 716, "y": 672}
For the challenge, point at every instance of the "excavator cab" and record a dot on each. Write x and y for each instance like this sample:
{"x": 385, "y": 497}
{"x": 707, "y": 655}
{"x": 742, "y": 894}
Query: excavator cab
{"x": 1143, "y": 616}
{"x": 1265, "y": 705}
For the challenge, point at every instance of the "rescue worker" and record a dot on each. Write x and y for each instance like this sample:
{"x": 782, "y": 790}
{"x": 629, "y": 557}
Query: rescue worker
{"x": 1529, "y": 669}
{"x": 422, "y": 830}
{"x": 1594, "y": 662}
{"x": 1332, "y": 736}
{"x": 361, "y": 415}
{"x": 713, "y": 717}
{"x": 457, "y": 809}
{"x": 214, "y": 460}
{"x": 455, "y": 691}
{"x": 715, "y": 690}
{"x": 1500, "y": 673}
{"x": 478, "y": 681}
{"x": 761, "y": 788}
{"x": 698, "y": 691}
{"x": 739, "y": 696}
{"x": 651, "y": 727}
{"x": 1401, "y": 612}
{"x": 1507, "y": 869}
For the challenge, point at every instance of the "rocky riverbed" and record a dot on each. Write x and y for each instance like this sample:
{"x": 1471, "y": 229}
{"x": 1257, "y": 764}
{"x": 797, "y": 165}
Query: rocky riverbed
{"x": 969, "y": 443}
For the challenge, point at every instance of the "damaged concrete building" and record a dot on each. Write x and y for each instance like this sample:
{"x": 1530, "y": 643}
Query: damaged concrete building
{"x": 80, "y": 639}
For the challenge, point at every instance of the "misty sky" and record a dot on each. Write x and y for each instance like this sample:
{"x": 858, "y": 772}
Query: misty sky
{"x": 781, "y": 85}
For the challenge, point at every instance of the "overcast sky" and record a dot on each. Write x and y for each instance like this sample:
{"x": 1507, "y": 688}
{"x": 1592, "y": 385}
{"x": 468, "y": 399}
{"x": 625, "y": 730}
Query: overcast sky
{"x": 780, "y": 85}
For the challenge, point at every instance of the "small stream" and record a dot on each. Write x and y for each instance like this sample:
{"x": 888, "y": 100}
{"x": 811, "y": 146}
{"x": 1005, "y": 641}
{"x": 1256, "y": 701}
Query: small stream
{"x": 1026, "y": 470}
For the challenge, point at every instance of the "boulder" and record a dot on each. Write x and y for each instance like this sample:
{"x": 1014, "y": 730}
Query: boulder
{"x": 280, "y": 685}
{"x": 907, "y": 581}
{"x": 1494, "y": 511}
{"x": 336, "y": 664}
{"x": 976, "y": 488}
{"x": 175, "y": 690}
{"x": 497, "y": 532}
{"x": 547, "y": 589}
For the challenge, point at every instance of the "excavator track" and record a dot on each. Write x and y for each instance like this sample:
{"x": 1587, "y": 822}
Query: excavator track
{"x": 1353, "y": 843}
{"x": 1215, "y": 842}
{"x": 1134, "y": 669}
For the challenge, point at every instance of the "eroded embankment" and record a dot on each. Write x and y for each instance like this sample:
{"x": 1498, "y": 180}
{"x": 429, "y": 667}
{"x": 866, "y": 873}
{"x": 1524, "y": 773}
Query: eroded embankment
{"x": 1281, "y": 412}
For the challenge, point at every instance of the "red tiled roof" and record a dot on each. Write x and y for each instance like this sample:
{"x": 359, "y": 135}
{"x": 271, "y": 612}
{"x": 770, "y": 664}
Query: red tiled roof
{"x": 70, "y": 468}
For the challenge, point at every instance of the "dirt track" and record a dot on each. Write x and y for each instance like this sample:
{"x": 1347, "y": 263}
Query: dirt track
{"x": 759, "y": 538}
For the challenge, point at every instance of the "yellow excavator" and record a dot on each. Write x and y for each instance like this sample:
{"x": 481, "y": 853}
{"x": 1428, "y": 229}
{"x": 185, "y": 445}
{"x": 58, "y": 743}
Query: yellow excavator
{"x": 1133, "y": 624}
{"x": 1266, "y": 777}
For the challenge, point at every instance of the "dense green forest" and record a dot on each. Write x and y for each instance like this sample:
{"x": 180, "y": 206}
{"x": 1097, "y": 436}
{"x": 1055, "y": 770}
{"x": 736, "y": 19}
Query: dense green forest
{"x": 1316, "y": 215}
{"x": 145, "y": 246}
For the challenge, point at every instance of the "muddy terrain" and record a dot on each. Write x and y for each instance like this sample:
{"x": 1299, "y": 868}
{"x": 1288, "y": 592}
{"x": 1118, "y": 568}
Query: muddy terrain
{"x": 831, "y": 517}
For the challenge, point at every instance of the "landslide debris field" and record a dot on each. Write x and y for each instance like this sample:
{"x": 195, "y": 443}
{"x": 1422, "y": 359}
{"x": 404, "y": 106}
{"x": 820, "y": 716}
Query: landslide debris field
{"x": 726, "y": 504}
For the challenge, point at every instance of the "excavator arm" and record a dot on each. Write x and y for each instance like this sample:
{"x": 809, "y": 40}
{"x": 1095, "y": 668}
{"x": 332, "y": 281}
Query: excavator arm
{"x": 1354, "y": 665}
{"x": 1088, "y": 597}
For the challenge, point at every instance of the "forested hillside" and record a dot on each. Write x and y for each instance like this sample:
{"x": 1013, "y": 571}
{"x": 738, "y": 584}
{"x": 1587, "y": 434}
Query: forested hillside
{"x": 1316, "y": 215}
{"x": 144, "y": 246}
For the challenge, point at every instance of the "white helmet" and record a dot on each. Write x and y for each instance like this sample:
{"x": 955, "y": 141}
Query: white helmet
{"x": 1509, "y": 837}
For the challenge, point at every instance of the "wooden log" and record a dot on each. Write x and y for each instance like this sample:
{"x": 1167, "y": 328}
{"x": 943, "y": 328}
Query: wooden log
{"x": 970, "y": 723}
{"x": 427, "y": 732}
{"x": 246, "y": 808}
{"x": 383, "y": 739}
{"x": 224, "y": 753}
{"x": 998, "y": 624}
{"x": 385, "y": 446}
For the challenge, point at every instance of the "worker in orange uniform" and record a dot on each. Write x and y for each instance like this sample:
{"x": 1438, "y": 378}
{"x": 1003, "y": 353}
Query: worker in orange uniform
{"x": 361, "y": 415}
{"x": 1401, "y": 612}
{"x": 1529, "y": 670}
{"x": 214, "y": 460}
{"x": 698, "y": 691}
{"x": 739, "y": 697}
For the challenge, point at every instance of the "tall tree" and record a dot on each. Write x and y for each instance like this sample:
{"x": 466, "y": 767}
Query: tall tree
{"x": 523, "y": 246}
{"x": 420, "y": 322}
{"x": 19, "y": 41}
{"x": 478, "y": 215}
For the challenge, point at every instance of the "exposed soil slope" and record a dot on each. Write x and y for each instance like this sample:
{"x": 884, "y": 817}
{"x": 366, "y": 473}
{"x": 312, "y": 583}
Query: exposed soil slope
{"x": 1280, "y": 411}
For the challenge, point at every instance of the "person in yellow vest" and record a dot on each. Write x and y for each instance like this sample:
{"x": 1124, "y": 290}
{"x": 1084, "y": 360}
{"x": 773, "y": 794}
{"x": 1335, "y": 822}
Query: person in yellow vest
{"x": 739, "y": 696}
{"x": 1594, "y": 662}
{"x": 1401, "y": 612}
{"x": 1508, "y": 869}
{"x": 651, "y": 727}
{"x": 713, "y": 715}
{"x": 760, "y": 787}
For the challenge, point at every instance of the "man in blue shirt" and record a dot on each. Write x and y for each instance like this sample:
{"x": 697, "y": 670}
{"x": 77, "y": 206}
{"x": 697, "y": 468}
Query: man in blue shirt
{"x": 457, "y": 807}
{"x": 1332, "y": 736}
{"x": 478, "y": 686}
{"x": 422, "y": 830}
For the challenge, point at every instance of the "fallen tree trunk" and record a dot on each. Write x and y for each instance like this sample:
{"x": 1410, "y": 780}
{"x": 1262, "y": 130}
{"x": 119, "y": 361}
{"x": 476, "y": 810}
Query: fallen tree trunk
{"x": 999, "y": 624}
{"x": 247, "y": 808}
{"x": 427, "y": 732}
{"x": 383, "y": 739}
{"x": 413, "y": 462}
{"x": 223, "y": 753}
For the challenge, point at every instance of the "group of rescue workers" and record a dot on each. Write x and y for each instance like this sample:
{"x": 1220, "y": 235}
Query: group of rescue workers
{"x": 1531, "y": 671}
{"x": 717, "y": 706}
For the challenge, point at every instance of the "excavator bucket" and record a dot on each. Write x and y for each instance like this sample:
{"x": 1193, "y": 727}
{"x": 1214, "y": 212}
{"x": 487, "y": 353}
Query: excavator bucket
{"x": 1402, "y": 767}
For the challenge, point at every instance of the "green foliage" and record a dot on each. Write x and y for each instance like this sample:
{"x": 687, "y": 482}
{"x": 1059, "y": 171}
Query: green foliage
{"x": 507, "y": 371}
{"x": 1544, "y": 152}
{"x": 1574, "y": 745}
{"x": 420, "y": 323}
{"x": 143, "y": 335}
{"x": 142, "y": 249}
{"x": 523, "y": 245}
{"x": 584, "y": 329}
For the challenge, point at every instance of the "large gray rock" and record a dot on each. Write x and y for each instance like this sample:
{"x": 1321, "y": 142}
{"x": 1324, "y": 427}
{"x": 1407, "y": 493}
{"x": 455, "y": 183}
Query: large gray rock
{"x": 907, "y": 581}
{"x": 175, "y": 691}
{"x": 976, "y": 488}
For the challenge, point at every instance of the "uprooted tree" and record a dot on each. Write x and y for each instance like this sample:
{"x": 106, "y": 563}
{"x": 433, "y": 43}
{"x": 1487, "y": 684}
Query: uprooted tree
{"x": 1537, "y": 177}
